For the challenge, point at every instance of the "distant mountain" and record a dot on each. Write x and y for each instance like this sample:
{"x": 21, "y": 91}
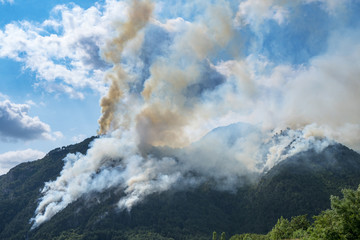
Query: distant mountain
{"x": 298, "y": 185}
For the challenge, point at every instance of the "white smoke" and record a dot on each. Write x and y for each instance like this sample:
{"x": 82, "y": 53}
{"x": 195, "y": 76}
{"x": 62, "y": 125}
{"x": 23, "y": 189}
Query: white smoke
{"x": 163, "y": 116}
{"x": 111, "y": 162}
{"x": 289, "y": 142}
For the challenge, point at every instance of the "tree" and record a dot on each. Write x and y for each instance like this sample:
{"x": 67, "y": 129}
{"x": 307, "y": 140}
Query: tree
{"x": 299, "y": 223}
{"x": 214, "y": 236}
{"x": 281, "y": 230}
{"x": 249, "y": 236}
{"x": 326, "y": 226}
{"x": 222, "y": 236}
{"x": 342, "y": 221}
{"x": 348, "y": 212}
{"x": 285, "y": 229}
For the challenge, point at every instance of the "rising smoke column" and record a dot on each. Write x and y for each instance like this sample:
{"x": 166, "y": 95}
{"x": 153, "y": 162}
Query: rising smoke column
{"x": 172, "y": 115}
{"x": 79, "y": 173}
{"x": 158, "y": 116}
{"x": 139, "y": 15}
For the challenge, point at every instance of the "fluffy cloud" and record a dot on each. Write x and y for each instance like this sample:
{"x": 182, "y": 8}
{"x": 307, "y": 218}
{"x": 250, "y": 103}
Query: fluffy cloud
{"x": 256, "y": 11}
{"x": 15, "y": 123}
{"x": 3, "y": 96}
{"x": 5, "y": 1}
{"x": 78, "y": 138}
{"x": 13, "y": 158}
{"x": 64, "y": 50}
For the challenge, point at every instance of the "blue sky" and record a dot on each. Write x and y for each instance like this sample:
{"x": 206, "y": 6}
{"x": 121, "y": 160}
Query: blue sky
{"x": 70, "y": 119}
{"x": 52, "y": 69}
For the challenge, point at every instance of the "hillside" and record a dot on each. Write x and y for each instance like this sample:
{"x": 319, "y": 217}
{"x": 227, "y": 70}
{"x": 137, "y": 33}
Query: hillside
{"x": 20, "y": 189}
{"x": 300, "y": 184}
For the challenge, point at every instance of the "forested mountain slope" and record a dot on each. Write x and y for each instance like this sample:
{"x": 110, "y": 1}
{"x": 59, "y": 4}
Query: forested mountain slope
{"x": 298, "y": 185}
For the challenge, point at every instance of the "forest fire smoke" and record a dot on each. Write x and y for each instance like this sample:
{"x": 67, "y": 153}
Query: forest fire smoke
{"x": 139, "y": 15}
{"x": 184, "y": 107}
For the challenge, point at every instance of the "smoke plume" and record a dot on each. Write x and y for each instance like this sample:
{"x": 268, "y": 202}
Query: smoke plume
{"x": 205, "y": 99}
{"x": 139, "y": 15}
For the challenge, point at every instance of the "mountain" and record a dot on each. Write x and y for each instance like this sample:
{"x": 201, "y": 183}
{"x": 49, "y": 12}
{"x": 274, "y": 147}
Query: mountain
{"x": 20, "y": 189}
{"x": 301, "y": 184}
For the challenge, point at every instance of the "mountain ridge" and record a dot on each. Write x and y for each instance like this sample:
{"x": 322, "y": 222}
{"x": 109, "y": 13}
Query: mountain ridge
{"x": 285, "y": 190}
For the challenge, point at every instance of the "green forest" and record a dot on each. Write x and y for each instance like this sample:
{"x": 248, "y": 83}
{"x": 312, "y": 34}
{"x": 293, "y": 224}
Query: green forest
{"x": 341, "y": 221}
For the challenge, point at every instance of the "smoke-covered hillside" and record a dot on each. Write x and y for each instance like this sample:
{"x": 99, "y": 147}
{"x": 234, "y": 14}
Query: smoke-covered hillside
{"x": 164, "y": 96}
{"x": 222, "y": 115}
{"x": 300, "y": 184}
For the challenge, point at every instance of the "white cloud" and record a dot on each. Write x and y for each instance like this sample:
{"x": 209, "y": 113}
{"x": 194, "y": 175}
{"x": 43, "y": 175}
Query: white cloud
{"x": 64, "y": 50}
{"x": 13, "y": 158}
{"x": 15, "y": 123}
{"x": 54, "y": 135}
{"x": 3, "y": 96}
{"x": 78, "y": 138}
{"x": 5, "y": 1}
{"x": 30, "y": 103}
{"x": 173, "y": 25}
{"x": 255, "y": 11}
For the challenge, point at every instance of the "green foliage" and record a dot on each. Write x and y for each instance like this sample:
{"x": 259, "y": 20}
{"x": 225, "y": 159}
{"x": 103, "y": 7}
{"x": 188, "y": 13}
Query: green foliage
{"x": 281, "y": 230}
{"x": 214, "y": 237}
{"x": 146, "y": 235}
{"x": 108, "y": 235}
{"x": 342, "y": 221}
{"x": 70, "y": 235}
{"x": 285, "y": 229}
{"x": 299, "y": 223}
{"x": 348, "y": 211}
{"x": 223, "y": 236}
{"x": 249, "y": 236}
{"x": 326, "y": 226}
{"x": 299, "y": 234}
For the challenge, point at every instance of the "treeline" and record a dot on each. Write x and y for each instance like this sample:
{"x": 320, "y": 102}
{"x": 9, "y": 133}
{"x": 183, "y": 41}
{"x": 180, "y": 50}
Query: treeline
{"x": 341, "y": 221}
